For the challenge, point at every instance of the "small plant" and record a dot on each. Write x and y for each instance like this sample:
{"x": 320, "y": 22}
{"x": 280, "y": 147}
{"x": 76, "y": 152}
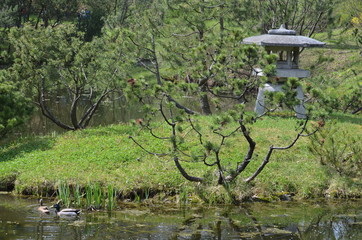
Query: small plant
{"x": 111, "y": 194}
{"x": 183, "y": 196}
{"x": 137, "y": 197}
{"x": 63, "y": 193}
{"x": 338, "y": 149}
{"x": 77, "y": 196}
{"x": 98, "y": 195}
{"x": 89, "y": 195}
{"x": 147, "y": 193}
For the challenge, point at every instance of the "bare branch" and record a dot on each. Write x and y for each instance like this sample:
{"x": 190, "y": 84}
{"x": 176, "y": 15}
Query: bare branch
{"x": 228, "y": 135}
{"x": 149, "y": 152}
{"x": 272, "y": 148}
{"x": 247, "y": 157}
{"x": 194, "y": 128}
{"x": 147, "y": 67}
{"x": 44, "y": 109}
{"x": 184, "y": 173}
{"x": 178, "y": 105}
{"x": 183, "y": 153}
{"x": 163, "y": 114}
{"x": 183, "y": 35}
{"x": 208, "y": 164}
{"x": 154, "y": 135}
{"x": 90, "y": 112}
{"x": 139, "y": 45}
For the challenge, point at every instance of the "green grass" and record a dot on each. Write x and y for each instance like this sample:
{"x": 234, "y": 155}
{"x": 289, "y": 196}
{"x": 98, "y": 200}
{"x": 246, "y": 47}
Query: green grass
{"x": 339, "y": 38}
{"x": 106, "y": 157}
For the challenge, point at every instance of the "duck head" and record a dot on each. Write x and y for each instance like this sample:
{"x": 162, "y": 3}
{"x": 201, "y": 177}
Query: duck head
{"x": 57, "y": 207}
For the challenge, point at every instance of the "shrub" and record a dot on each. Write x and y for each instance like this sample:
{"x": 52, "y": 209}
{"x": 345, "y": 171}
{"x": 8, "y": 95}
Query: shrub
{"x": 339, "y": 149}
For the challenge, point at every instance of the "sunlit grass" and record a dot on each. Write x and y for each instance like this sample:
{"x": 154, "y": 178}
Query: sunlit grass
{"x": 98, "y": 161}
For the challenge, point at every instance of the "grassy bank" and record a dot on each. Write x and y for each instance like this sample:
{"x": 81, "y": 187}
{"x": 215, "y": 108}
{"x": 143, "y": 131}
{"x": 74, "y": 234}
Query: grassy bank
{"x": 107, "y": 157}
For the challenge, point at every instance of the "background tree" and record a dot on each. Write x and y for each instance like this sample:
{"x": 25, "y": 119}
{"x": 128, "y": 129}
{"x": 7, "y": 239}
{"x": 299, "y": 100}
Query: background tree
{"x": 196, "y": 25}
{"x": 8, "y": 19}
{"x": 14, "y": 107}
{"x": 53, "y": 62}
{"x": 8, "y": 14}
{"x": 306, "y": 17}
{"x": 349, "y": 13}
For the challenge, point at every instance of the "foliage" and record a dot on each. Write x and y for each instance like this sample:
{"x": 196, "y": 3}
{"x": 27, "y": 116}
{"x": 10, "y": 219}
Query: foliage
{"x": 350, "y": 12}
{"x": 212, "y": 138}
{"x": 56, "y": 61}
{"x": 8, "y": 19}
{"x": 191, "y": 45}
{"x": 51, "y": 12}
{"x": 14, "y": 107}
{"x": 339, "y": 149}
{"x": 357, "y": 23}
{"x": 207, "y": 52}
{"x": 8, "y": 14}
{"x": 306, "y": 17}
{"x": 338, "y": 88}
{"x": 200, "y": 55}
{"x": 166, "y": 51}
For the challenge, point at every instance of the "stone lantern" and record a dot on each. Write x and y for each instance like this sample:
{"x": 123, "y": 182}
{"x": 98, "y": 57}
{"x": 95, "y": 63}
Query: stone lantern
{"x": 286, "y": 44}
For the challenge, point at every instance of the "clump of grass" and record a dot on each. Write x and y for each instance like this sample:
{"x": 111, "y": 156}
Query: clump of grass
{"x": 147, "y": 193}
{"x": 95, "y": 196}
{"x": 111, "y": 197}
{"x": 77, "y": 195}
{"x": 137, "y": 197}
{"x": 63, "y": 193}
{"x": 98, "y": 196}
{"x": 89, "y": 195}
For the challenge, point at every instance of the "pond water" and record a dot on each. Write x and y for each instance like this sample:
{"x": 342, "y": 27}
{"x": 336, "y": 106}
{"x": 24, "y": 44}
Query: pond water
{"x": 109, "y": 112}
{"x": 20, "y": 219}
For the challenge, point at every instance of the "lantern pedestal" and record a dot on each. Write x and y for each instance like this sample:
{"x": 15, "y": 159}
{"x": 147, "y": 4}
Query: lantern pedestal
{"x": 269, "y": 87}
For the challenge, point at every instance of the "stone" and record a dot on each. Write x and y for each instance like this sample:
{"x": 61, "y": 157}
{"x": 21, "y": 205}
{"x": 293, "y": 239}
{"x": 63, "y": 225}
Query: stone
{"x": 283, "y": 37}
{"x": 269, "y": 87}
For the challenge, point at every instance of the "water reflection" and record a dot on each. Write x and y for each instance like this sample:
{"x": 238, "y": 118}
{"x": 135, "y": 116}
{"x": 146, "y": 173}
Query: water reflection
{"x": 112, "y": 111}
{"x": 109, "y": 112}
{"x": 20, "y": 219}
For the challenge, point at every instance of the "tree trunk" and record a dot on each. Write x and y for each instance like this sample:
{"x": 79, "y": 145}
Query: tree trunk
{"x": 204, "y": 101}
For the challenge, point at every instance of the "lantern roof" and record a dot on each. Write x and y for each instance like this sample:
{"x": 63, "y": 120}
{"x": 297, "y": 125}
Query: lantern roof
{"x": 283, "y": 37}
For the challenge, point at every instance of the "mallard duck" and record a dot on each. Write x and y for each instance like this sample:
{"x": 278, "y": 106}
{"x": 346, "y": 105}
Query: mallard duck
{"x": 42, "y": 208}
{"x": 66, "y": 211}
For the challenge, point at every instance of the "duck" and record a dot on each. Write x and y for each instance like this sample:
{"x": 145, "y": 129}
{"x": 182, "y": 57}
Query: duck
{"x": 66, "y": 211}
{"x": 42, "y": 208}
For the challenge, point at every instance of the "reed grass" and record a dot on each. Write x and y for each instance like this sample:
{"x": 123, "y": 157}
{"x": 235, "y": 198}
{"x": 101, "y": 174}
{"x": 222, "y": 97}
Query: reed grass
{"x": 63, "y": 193}
{"x": 98, "y": 196}
{"x": 147, "y": 193}
{"x": 88, "y": 195}
{"x": 93, "y": 195}
{"x": 137, "y": 197}
{"x": 77, "y": 196}
{"x": 111, "y": 197}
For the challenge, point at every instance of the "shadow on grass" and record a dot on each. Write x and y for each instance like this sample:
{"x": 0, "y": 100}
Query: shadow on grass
{"x": 348, "y": 118}
{"x": 11, "y": 151}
